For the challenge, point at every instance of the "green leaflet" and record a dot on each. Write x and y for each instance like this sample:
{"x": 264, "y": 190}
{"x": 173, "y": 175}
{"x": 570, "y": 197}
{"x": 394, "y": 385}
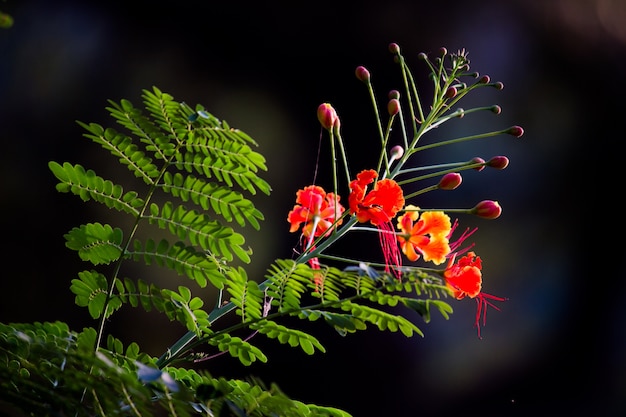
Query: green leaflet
{"x": 245, "y": 295}
{"x": 89, "y": 186}
{"x": 183, "y": 259}
{"x": 222, "y": 200}
{"x": 200, "y": 230}
{"x": 292, "y": 337}
{"x": 238, "y": 348}
{"x": 95, "y": 242}
{"x": 122, "y": 146}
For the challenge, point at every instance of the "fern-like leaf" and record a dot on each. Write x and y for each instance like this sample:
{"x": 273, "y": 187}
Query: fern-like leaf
{"x": 286, "y": 282}
{"x": 382, "y": 319}
{"x": 182, "y": 258}
{"x": 91, "y": 291}
{"x": 89, "y": 186}
{"x": 127, "y": 152}
{"x": 422, "y": 307}
{"x": 157, "y": 141}
{"x": 200, "y": 229}
{"x": 288, "y": 336}
{"x": 221, "y": 199}
{"x": 238, "y": 348}
{"x": 341, "y": 322}
{"x": 95, "y": 242}
{"x": 245, "y": 295}
{"x": 180, "y": 306}
{"x": 189, "y": 309}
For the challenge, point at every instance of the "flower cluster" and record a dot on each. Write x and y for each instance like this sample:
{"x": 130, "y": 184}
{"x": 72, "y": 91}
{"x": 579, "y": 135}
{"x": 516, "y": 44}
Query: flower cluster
{"x": 377, "y": 198}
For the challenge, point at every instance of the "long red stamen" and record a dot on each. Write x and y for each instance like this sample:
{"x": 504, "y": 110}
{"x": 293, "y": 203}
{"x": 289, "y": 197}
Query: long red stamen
{"x": 481, "y": 307}
{"x": 389, "y": 245}
{"x": 454, "y": 246}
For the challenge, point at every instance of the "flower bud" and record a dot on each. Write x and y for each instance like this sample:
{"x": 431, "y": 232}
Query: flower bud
{"x": 443, "y": 51}
{"x": 396, "y": 152}
{"x": 393, "y": 107}
{"x": 484, "y": 79}
{"x": 496, "y": 109}
{"x": 393, "y": 94}
{"x": 478, "y": 160}
{"x": 422, "y": 56}
{"x": 516, "y": 131}
{"x": 498, "y": 85}
{"x": 450, "y": 181}
{"x": 451, "y": 92}
{"x": 394, "y": 48}
{"x": 362, "y": 74}
{"x": 498, "y": 162}
{"x": 327, "y": 116}
{"x": 487, "y": 209}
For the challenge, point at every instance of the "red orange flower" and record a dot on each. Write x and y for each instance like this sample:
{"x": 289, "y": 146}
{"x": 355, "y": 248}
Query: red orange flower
{"x": 379, "y": 207}
{"x": 318, "y": 211}
{"x": 424, "y": 235}
{"x": 464, "y": 278}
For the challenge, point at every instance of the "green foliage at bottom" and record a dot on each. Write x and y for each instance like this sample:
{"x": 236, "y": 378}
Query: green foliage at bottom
{"x": 48, "y": 370}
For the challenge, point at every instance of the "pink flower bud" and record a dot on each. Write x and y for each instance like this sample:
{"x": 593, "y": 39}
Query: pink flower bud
{"x": 394, "y": 48}
{"x": 496, "y": 109}
{"x": 498, "y": 162}
{"x": 516, "y": 131}
{"x": 478, "y": 160}
{"x": 498, "y": 85}
{"x": 393, "y": 107}
{"x": 487, "y": 209}
{"x": 396, "y": 152}
{"x": 362, "y": 74}
{"x": 327, "y": 116}
{"x": 450, "y": 181}
{"x": 393, "y": 94}
{"x": 484, "y": 79}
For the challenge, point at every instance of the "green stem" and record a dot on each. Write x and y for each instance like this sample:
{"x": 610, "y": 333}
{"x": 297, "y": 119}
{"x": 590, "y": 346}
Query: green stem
{"x": 422, "y": 191}
{"x": 459, "y": 140}
{"x": 343, "y": 155}
{"x": 454, "y": 168}
{"x": 370, "y": 90}
{"x": 334, "y": 159}
{"x": 383, "y": 153}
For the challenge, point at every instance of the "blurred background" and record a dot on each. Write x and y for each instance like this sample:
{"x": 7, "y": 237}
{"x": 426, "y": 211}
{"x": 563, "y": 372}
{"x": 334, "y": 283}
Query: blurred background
{"x": 557, "y": 347}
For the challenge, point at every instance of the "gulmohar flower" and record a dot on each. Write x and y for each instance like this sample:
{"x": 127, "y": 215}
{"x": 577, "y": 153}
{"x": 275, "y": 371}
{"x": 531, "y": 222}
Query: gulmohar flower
{"x": 318, "y": 211}
{"x": 464, "y": 278}
{"x": 424, "y": 234}
{"x": 378, "y": 206}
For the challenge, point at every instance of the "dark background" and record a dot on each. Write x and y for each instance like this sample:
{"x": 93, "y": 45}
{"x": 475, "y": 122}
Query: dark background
{"x": 557, "y": 345}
